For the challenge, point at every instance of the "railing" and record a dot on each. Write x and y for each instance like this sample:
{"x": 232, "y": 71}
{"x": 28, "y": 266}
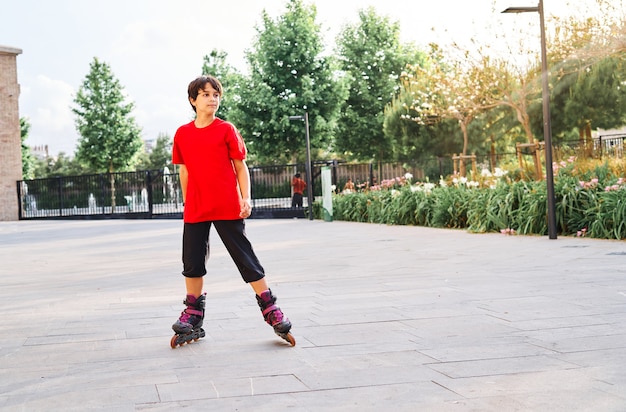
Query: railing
{"x": 125, "y": 195}
{"x": 154, "y": 194}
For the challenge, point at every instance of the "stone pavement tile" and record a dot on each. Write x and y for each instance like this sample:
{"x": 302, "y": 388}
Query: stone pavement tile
{"x": 364, "y": 356}
{"x": 569, "y": 401}
{"x": 614, "y": 357}
{"x": 83, "y": 399}
{"x": 525, "y": 308}
{"x": 540, "y": 391}
{"x": 520, "y": 383}
{"x": 585, "y": 343}
{"x": 501, "y": 366}
{"x": 488, "y": 349}
{"x": 400, "y": 397}
{"x": 555, "y": 334}
{"x": 344, "y": 375}
{"x": 349, "y": 334}
{"x": 209, "y": 388}
{"x": 397, "y": 397}
{"x": 606, "y": 366}
{"x": 323, "y": 354}
{"x": 54, "y": 372}
{"x": 564, "y": 321}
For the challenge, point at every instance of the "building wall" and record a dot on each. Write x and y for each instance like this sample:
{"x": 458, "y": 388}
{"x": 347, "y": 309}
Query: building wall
{"x": 10, "y": 141}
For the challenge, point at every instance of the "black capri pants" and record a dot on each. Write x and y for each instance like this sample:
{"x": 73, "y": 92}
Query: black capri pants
{"x": 196, "y": 249}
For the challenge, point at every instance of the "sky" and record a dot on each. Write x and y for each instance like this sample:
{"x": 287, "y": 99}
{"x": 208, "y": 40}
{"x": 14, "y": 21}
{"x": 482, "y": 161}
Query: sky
{"x": 156, "y": 47}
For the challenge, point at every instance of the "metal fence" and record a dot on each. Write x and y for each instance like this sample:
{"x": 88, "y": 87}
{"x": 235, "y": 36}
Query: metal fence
{"x": 155, "y": 194}
{"x": 141, "y": 194}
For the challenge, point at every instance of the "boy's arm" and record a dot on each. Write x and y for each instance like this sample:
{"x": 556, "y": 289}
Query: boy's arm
{"x": 183, "y": 175}
{"x": 243, "y": 179}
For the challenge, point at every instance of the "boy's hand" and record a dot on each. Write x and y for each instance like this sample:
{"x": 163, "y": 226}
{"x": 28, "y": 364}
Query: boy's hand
{"x": 245, "y": 207}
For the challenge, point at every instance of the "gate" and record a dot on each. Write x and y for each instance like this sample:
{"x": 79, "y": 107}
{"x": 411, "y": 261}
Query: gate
{"x": 144, "y": 195}
{"x": 151, "y": 194}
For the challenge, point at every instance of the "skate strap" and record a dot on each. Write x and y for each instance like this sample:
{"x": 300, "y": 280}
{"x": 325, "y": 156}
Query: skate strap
{"x": 191, "y": 311}
{"x": 269, "y": 309}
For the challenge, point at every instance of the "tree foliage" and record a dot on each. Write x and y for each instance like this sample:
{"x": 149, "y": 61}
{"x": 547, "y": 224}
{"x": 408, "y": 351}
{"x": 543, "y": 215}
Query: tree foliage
{"x": 587, "y": 77}
{"x": 61, "y": 165}
{"x": 450, "y": 89}
{"x": 372, "y": 57}
{"x": 289, "y": 76}
{"x": 109, "y": 137}
{"x": 215, "y": 64}
{"x": 413, "y": 141}
{"x": 28, "y": 160}
{"x": 159, "y": 157}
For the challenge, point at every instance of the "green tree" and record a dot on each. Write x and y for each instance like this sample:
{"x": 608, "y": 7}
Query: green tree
{"x": 62, "y": 165}
{"x": 28, "y": 160}
{"x": 587, "y": 77}
{"x": 215, "y": 64}
{"x": 451, "y": 89}
{"x": 371, "y": 56}
{"x": 289, "y": 76}
{"x": 159, "y": 157}
{"x": 586, "y": 99}
{"x": 109, "y": 137}
{"x": 417, "y": 142}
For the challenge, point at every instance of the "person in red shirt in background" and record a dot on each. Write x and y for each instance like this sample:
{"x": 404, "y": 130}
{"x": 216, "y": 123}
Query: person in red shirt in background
{"x": 298, "y": 188}
{"x": 215, "y": 182}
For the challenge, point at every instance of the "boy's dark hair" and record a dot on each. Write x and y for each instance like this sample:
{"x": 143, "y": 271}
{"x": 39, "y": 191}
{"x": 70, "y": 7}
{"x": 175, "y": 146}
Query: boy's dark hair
{"x": 199, "y": 83}
{"x": 297, "y": 175}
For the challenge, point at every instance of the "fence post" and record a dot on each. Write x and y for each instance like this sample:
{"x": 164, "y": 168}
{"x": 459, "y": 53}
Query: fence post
{"x": 20, "y": 204}
{"x": 102, "y": 192}
{"x": 149, "y": 189}
{"x": 59, "y": 182}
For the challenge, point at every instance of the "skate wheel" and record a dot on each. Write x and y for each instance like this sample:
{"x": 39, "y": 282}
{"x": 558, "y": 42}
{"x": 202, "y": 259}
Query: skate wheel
{"x": 289, "y": 338}
{"x": 173, "y": 343}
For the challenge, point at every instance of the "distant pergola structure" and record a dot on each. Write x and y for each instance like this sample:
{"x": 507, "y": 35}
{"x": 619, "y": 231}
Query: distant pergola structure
{"x": 10, "y": 139}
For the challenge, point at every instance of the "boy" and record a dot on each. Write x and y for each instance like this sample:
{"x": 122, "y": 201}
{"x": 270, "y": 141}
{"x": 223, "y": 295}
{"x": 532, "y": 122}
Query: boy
{"x": 215, "y": 182}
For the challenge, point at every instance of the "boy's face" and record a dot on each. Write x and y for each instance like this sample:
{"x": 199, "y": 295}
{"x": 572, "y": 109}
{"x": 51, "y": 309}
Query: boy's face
{"x": 208, "y": 100}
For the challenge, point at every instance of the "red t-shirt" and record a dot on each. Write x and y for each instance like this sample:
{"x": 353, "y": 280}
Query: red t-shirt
{"x": 298, "y": 185}
{"x": 212, "y": 191}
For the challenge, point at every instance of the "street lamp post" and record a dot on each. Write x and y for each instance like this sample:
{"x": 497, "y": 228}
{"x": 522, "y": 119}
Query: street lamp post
{"x": 309, "y": 178}
{"x": 547, "y": 128}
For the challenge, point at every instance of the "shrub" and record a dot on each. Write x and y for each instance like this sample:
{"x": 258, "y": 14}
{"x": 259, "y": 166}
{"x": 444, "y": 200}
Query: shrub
{"x": 590, "y": 200}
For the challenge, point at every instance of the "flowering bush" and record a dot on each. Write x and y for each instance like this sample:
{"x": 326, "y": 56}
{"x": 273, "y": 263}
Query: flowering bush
{"x": 590, "y": 201}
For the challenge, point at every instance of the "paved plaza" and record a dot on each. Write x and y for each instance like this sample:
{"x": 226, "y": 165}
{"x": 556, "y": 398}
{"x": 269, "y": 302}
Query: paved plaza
{"x": 387, "y": 318}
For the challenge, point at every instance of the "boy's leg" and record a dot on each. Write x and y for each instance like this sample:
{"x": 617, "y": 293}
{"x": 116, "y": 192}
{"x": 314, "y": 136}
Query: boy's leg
{"x": 194, "y": 286}
{"x": 195, "y": 253}
{"x": 259, "y": 286}
{"x": 232, "y": 233}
